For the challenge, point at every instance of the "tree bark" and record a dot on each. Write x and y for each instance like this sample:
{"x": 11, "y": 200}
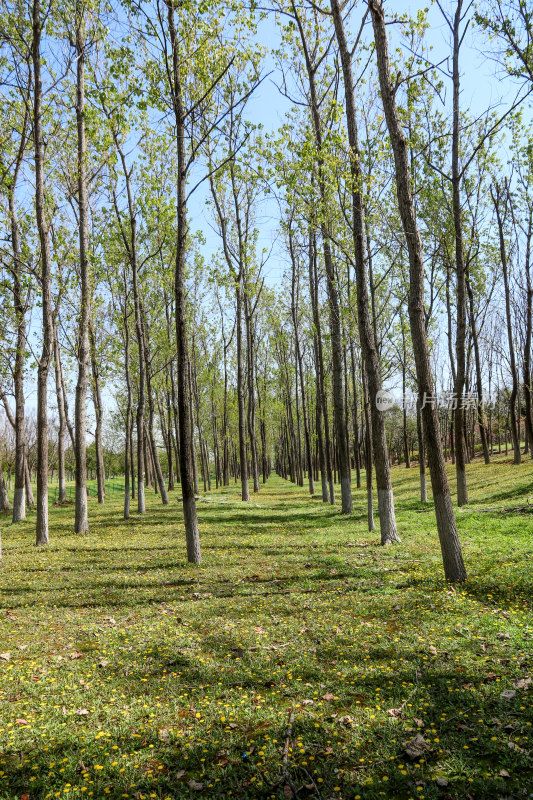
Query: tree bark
{"x": 499, "y": 196}
{"x": 19, "y": 500}
{"x": 41, "y": 533}
{"x": 81, "y": 515}
{"x": 99, "y": 414}
{"x": 184, "y": 400}
{"x": 333, "y": 298}
{"x": 479, "y": 382}
{"x": 526, "y": 364}
{"x": 460, "y": 337}
{"x": 454, "y": 569}
{"x": 367, "y": 338}
{"x": 61, "y": 478}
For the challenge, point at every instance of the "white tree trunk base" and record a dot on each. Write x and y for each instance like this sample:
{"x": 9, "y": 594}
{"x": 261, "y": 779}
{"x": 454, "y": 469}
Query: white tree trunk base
{"x": 19, "y": 505}
{"x": 387, "y": 518}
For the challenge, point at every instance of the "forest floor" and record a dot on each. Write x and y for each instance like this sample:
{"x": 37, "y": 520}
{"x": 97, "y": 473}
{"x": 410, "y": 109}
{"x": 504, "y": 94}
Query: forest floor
{"x": 125, "y": 673}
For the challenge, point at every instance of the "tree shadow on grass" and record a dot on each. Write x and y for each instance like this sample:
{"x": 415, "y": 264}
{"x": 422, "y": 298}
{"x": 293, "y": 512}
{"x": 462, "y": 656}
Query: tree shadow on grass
{"x": 466, "y": 724}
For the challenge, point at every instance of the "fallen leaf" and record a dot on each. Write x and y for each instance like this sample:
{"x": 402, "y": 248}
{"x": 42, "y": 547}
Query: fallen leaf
{"x": 503, "y": 773}
{"x": 103, "y": 663}
{"x": 515, "y": 747}
{"x": 328, "y": 696}
{"x": 502, "y": 635}
{"x": 419, "y": 722}
{"x": 432, "y": 649}
{"x": 491, "y": 676}
{"x": 258, "y": 629}
{"x": 180, "y": 773}
{"x": 195, "y": 785}
{"x": 416, "y": 747}
{"x": 441, "y": 782}
{"x": 5, "y": 656}
{"x": 346, "y": 720}
{"x": 307, "y": 702}
{"x": 81, "y": 712}
{"x": 74, "y": 655}
{"x": 508, "y": 694}
{"x": 394, "y": 712}
{"x": 21, "y": 721}
{"x": 522, "y": 683}
{"x": 287, "y": 791}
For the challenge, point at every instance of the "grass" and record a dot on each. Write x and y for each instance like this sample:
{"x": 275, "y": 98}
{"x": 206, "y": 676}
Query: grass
{"x": 126, "y": 673}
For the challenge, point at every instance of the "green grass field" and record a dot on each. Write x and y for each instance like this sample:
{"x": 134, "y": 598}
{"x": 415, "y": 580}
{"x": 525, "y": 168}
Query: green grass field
{"x": 126, "y": 673}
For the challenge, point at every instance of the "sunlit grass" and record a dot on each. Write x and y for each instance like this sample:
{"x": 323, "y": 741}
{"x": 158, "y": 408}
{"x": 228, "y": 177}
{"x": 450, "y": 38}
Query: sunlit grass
{"x": 126, "y": 673}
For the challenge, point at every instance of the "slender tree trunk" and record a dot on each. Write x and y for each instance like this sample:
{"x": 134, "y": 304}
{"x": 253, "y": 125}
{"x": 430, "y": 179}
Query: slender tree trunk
{"x": 250, "y": 366}
{"x": 128, "y": 454}
{"x": 150, "y": 397}
{"x": 99, "y": 415}
{"x": 42, "y": 536}
{"x": 184, "y": 399}
{"x": 527, "y": 344}
{"x": 27, "y": 479}
{"x": 367, "y": 335}
{"x": 62, "y": 490}
{"x": 319, "y": 359}
{"x": 245, "y": 491}
{"x": 368, "y": 453}
{"x": 333, "y": 298}
{"x": 81, "y": 515}
{"x": 5, "y": 505}
{"x": 421, "y": 453}
{"x": 460, "y": 338}
{"x": 497, "y": 199}
{"x": 454, "y": 569}
{"x": 19, "y": 500}
{"x": 479, "y": 383}
{"x": 356, "y": 451}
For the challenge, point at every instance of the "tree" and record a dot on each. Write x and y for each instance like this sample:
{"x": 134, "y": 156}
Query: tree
{"x": 454, "y": 569}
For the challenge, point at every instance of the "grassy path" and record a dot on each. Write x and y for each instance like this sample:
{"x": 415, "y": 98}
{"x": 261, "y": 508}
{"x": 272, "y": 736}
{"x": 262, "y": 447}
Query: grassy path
{"x": 126, "y": 673}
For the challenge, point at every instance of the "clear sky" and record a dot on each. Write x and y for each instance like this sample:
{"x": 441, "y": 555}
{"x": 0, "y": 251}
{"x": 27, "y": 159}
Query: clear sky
{"x": 483, "y": 85}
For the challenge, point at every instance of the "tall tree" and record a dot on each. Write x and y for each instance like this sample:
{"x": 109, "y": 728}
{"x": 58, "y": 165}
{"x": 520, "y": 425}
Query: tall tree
{"x": 454, "y": 569}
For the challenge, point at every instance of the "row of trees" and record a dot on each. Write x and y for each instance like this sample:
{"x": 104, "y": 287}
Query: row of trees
{"x": 404, "y": 226}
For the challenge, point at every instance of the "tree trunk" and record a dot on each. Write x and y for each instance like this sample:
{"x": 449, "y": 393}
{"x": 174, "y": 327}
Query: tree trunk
{"x": 421, "y": 453}
{"x": 479, "y": 380}
{"x": 497, "y": 200}
{"x": 27, "y": 479}
{"x": 19, "y": 500}
{"x": 62, "y": 491}
{"x": 460, "y": 338}
{"x": 250, "y": 366}
{"x": 454, "y": 569}
{"x": 5, "y": 505}
{"x": 333, "y": 298}
{"x": 128, "y": 455}
{"x": 319, "y": 360}
{"x": 368, "y": 453}
{"x": 81, "y": 516}
{"x": 99, "y": 415}
{"x": 367, "y": 338}
{"x": 527, "y": 344}
{"x": 41, "y": 533}
{"x": 149, "y": 393}
{"x": 184, "y": 399}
